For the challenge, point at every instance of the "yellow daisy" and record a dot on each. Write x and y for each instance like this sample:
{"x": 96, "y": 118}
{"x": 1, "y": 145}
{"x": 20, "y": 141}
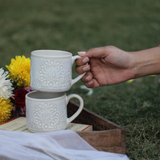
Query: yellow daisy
{"x": 19, "y": 69}
{"x": 5, "y": 109}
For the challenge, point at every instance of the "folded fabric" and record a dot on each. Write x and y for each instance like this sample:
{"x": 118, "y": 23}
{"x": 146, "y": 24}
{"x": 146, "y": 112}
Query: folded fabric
{"x": 57, "y": 145}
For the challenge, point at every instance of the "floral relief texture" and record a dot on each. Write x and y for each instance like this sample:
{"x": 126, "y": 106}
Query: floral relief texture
{"x": 52, "y": 73}
{"x": 46, "y": 116}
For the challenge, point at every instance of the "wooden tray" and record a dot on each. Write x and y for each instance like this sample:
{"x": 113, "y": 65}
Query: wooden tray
{"x": 106, "y": 135}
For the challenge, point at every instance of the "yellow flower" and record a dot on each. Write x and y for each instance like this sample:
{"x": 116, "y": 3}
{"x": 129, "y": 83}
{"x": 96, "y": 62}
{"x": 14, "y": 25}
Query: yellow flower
{"x": 19, "y": 69}
{"x": 5, "y": 109}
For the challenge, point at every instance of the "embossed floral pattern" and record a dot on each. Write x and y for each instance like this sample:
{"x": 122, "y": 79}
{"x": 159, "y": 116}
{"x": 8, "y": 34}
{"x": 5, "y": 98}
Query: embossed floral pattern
{"x": 46, "y": 116}
{"x": 52, "y": 73}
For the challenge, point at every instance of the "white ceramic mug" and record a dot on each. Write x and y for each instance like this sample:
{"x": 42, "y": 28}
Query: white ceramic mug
{"x": 48, "y": 111}
{"x": 51, "y": 70}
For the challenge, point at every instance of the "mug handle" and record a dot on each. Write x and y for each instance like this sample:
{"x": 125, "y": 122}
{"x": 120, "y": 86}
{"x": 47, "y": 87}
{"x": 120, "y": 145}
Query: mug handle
{"x": 81, "y": 75}
{"x": 79, "y": 109}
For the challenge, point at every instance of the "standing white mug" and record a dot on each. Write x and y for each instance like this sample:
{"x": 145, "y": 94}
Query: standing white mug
{"x": 48, "y": 111}
{"x": 51, "y": 70}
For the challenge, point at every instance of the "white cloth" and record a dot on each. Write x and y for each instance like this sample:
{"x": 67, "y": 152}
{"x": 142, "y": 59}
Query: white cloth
{"x": 58, "y": 145}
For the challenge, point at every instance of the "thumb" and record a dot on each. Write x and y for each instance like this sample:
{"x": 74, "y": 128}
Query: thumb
{"x": 99, "y": 52}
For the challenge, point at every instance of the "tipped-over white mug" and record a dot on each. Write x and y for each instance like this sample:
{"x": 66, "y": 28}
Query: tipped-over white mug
{"x": 48, "y": 111}
{"x": 51, "y": 70}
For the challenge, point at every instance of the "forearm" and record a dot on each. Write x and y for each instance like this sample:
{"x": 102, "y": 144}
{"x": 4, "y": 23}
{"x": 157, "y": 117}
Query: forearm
{"x": 146, "y": 62}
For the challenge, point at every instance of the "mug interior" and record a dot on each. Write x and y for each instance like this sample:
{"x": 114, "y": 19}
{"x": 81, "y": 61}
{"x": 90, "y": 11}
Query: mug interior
{"x": 44, "y": 95}
{"x": 50, "y": 53}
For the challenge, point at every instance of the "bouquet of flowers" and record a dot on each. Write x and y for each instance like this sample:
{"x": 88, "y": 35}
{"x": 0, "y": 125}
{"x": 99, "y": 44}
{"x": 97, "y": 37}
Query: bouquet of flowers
{"x": 14, "y": 85}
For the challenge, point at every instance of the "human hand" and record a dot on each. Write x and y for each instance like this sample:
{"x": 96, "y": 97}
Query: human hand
{"x": 105, "y": 66}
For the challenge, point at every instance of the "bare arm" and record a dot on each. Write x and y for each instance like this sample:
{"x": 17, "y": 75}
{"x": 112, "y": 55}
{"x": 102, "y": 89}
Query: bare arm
{"x": 147, "y": 62}
{"x": 111, "y": 65}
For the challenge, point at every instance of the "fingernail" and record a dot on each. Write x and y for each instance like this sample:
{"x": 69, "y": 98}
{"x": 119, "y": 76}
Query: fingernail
{"x": 81, "y": 53}
{"x": 85, "y": 60}
{"x": 86, "y": 68}
{"x": 89, "y": 83}
{"x": 87, "y": 78}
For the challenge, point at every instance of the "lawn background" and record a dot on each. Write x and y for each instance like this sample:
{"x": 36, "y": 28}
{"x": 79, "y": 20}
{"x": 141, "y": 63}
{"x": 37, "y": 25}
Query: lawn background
{"x": 78, "y": 25}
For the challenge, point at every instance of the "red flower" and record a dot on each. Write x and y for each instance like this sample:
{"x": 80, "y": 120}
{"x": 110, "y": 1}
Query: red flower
{"x": 20, "y": 97}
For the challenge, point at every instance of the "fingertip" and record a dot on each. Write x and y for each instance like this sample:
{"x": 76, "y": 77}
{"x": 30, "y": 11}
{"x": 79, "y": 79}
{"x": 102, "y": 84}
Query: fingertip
{"x": 82, "y": 53}
{"x": 89, "y": 84}
{"x": 88, "y": 78}
{"x": 82, "y": 61}
{"x": 85, "y": 60}
{"x": 92, "y": 84}
{"x": 86, "y": 68}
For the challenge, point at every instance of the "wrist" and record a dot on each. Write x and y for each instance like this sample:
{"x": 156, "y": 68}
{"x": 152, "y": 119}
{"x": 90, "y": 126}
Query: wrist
{"x": 146, "y": 62}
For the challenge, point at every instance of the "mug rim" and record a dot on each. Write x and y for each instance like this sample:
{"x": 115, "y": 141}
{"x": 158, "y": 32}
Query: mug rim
{"x": 65, "y": 53}
{"x": 47, "y": 99}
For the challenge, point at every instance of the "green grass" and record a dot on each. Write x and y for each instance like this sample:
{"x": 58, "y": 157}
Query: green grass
{"x": 83, "y": 24}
